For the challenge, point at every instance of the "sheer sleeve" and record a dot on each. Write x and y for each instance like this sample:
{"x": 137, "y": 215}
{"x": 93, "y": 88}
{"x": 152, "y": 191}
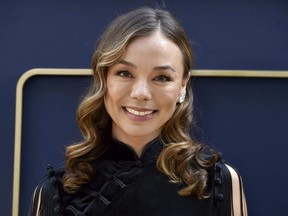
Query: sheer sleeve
{"x": 238, "y": 200}
{"x": 228, "y": 191}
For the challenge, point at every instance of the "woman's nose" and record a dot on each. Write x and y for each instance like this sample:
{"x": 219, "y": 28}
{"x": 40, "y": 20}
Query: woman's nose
{"x": 141, "y": 91}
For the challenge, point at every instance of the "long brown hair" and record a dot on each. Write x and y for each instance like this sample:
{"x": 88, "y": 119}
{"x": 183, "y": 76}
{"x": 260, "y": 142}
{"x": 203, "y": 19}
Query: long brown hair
{"x": 182, "y": 159}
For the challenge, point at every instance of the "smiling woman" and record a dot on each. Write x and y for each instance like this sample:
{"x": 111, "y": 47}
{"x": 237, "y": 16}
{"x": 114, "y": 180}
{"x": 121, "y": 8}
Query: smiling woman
{"x": 137, "y": 157}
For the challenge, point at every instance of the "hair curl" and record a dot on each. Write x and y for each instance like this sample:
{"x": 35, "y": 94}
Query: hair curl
{"x": 182, "y": 159}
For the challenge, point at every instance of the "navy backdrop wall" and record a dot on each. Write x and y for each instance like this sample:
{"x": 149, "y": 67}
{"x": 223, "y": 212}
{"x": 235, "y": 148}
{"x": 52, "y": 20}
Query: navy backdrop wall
{"x": 248, "y": 35}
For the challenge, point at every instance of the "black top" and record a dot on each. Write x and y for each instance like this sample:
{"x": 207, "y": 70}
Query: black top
{"x": 125, "y": 184}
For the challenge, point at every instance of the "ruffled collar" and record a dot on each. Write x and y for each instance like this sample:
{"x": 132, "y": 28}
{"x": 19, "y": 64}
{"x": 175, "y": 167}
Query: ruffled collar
{"x": 118, "y": 151}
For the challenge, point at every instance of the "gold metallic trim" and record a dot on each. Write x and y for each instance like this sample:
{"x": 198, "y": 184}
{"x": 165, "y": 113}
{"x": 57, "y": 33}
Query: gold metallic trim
{"x": 240, "y": 73}
{"x": 79, "y": 72}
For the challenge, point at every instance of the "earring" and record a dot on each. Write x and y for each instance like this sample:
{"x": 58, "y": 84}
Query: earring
{"x": 182, "y": 97}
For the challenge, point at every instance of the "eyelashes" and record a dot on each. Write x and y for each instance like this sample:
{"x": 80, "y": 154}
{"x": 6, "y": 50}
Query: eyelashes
{"x": 163, "y": 78}
{"x": 124, "y": 73}
{"x": 158, "y": 77}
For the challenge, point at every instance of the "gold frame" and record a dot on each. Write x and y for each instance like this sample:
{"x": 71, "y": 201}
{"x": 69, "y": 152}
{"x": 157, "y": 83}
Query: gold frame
{"x": 84, "y": 72}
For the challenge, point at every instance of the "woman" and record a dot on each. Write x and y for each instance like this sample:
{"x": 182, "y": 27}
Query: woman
{"x": 137, "y": 157}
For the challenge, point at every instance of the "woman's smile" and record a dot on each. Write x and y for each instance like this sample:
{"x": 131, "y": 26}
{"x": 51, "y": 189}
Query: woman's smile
{"x": 138, "y": 112}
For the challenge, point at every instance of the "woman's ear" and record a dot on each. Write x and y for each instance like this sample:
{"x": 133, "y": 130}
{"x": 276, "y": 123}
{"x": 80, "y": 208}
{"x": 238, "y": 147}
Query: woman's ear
{"x": 185, "y": 81}
{"x": 183, "y": 89}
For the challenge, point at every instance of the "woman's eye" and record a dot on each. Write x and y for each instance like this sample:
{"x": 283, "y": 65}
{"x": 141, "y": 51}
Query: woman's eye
{"x": 124, "y": 74}
{"x": 162, "y": 78}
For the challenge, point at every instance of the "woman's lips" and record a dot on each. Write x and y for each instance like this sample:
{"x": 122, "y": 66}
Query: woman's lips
{"x": 138, "y": 113}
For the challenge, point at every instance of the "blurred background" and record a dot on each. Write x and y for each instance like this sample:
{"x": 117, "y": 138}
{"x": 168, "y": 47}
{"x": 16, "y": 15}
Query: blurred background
{"x": 245, "y": 118}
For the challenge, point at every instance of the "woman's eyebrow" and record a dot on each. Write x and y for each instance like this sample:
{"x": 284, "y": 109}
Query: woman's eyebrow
{"x": 162, "y": 67}
{"x": 124, "y": 62}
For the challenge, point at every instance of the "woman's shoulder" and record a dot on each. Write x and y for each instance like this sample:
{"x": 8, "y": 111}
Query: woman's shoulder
{"x": 222, "y": 170}
{"x": 226, "y": 170}
{"x": 46, "y": 196}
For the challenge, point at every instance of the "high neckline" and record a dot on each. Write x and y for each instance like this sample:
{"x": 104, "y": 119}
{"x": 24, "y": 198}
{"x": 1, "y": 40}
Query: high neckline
{"x": 119, "y": 151}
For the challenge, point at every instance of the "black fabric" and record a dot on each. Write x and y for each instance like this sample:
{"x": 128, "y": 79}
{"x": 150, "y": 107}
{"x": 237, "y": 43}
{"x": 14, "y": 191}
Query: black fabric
{"x": 125, "y": 184}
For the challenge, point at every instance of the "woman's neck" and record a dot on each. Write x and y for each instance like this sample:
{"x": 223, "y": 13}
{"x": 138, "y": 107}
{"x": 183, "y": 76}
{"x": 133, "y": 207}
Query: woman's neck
{"x": 137, "y": 143}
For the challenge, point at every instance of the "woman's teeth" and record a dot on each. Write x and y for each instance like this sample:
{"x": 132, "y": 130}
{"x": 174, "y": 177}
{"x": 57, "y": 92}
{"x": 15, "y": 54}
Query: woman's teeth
{"x": 138, "y": 113}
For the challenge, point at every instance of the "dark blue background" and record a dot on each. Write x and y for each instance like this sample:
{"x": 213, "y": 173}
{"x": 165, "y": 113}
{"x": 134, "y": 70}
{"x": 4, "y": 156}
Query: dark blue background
{"x": 244, "y": 118}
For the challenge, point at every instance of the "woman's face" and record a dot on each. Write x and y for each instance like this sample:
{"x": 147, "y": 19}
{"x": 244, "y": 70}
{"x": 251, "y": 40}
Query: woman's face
{"x": 144, "y": 87}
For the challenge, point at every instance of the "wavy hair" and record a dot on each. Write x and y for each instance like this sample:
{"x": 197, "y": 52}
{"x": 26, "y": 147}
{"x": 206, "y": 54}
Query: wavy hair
{"x": 182, "y": 159}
